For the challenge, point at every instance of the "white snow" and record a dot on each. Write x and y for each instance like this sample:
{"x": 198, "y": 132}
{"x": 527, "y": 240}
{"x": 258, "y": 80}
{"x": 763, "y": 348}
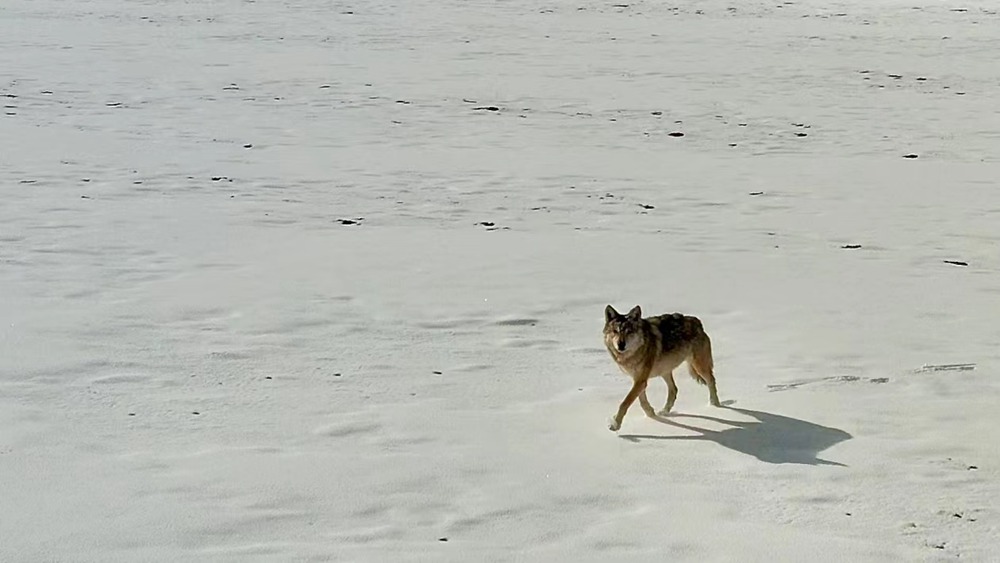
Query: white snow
{"x": 200, "y": 362}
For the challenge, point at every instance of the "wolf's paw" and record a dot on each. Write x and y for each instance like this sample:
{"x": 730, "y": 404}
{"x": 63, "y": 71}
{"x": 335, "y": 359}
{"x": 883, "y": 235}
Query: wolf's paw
{"x": 613, "y": 425}
{"x": 651, "y": 413}
{"x": 663, "y": 412}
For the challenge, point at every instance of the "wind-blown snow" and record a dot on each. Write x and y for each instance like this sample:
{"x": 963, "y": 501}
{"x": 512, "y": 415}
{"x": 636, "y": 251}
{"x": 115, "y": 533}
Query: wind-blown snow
{"x": 324, "y": 281}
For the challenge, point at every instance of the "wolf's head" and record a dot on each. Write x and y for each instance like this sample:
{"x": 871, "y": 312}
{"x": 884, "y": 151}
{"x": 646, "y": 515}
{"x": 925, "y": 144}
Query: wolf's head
{"x": 623, "y": 333}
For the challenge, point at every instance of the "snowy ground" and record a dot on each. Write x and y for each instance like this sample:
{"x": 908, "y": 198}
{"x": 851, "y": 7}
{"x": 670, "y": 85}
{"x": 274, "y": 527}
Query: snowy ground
{"x": 201, "y": 361}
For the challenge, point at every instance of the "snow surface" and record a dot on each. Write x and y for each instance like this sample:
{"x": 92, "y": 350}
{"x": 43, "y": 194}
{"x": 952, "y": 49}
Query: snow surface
{"x": 201, "y": 360}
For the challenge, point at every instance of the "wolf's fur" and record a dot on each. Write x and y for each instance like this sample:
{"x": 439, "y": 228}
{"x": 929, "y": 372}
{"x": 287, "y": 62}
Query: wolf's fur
{"x": 653, "y": 347}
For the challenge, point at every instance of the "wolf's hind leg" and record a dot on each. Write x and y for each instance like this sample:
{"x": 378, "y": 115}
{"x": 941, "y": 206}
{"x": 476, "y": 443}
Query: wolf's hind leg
{"x": 701, "y": 364}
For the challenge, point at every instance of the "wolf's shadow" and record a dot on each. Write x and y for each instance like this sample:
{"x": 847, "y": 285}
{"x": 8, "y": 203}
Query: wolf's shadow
{"x": 772, "y": 439}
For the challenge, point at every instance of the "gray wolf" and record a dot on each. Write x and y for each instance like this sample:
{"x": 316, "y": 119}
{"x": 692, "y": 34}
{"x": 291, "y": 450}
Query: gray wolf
{"x": 654, "y": 347}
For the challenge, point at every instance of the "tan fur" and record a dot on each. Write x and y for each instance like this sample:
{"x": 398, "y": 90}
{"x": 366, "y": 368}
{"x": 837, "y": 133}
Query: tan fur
{"x": 654, "y": 347}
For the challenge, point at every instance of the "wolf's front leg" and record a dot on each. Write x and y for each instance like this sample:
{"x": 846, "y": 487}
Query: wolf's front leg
{"x": 646, "y": 407}
{"x": 638, "y": 387}
{"x": 671, "y": 393}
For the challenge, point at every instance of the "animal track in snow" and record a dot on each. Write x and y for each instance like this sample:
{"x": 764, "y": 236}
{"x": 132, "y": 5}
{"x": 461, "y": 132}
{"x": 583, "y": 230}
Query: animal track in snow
{"x": 926, "y": 368}
{"x": 831, "y": 379}
{"x": 345, "y": 429}
{"x": 517, "y": 322}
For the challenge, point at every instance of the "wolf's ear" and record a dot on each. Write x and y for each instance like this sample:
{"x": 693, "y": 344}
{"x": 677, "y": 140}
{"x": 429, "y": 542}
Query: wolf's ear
{"x": 610, "y": 314}
{"x": 635, "y": 314}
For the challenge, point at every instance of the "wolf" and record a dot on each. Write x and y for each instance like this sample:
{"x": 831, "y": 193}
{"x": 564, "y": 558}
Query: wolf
{"x": 653, "y": 347}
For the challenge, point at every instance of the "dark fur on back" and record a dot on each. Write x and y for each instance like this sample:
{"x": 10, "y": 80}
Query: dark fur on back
{"x": 675, "y": 329}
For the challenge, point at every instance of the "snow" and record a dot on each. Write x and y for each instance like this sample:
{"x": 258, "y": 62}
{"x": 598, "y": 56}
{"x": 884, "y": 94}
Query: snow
{"x": 277, "y": 285}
